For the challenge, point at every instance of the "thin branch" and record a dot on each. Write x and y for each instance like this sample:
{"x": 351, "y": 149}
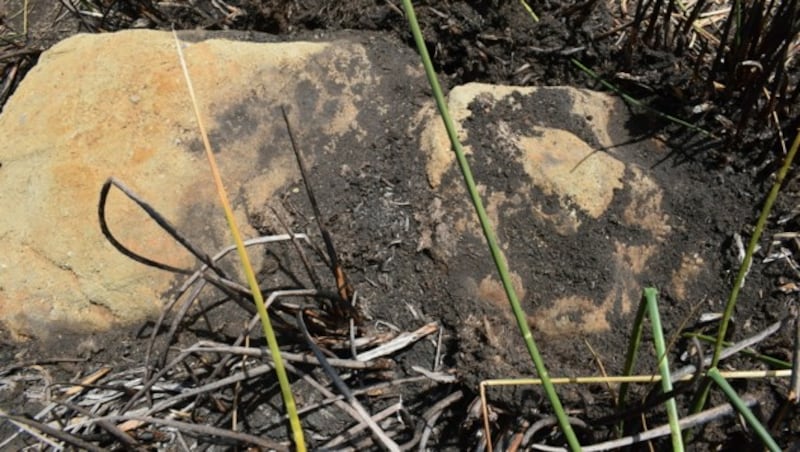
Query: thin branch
{"x": 385, "y": 441}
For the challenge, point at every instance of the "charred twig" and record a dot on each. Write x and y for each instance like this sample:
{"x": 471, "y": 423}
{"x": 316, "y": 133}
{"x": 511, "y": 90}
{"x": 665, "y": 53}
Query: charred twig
{"x": 340, "y": 401}
{"x": 429, "y": 419}
{"x": 150, "y": 380}
{"x": 295, "y": 242}
{"x": 439, "y": 377}
{"x": 255, "y": 320}
{"x": 201, "y": 273}
{"x": 219, "y": 279}
{"x": 663, "y": 430}
{"x": 401, "y": 341}
{"x": 351, "y": 433}
{"x": 344, "y": 308}
{"x": 70, "y": 439}
{"x": 559, "y": 51}
{"x": 106, "y": 425}
{"x": 211, "y": 347}
{"x": 73, "y": 391}
{"x": 794, "y": 385}
{"x": 732, "y": 350}
{"x": 200, "y": 429}
{"x": 372, "y": 389}
{"x": 549, "y": 421}
{"x": 187, "y": 393}
{"x": 21, "y": 52}
{"x": 184, "y": 308}
{"x": 660, "y": 397}
{"x": 203, "y": 389}
{"x": 39, "y": 362}
{"x": 385, "y": 441}
{"x": 159, "y": 219}
{"x": 793, "y": 396}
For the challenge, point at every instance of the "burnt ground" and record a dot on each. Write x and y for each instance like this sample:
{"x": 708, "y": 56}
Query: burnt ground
{"x": 715, "y": 191}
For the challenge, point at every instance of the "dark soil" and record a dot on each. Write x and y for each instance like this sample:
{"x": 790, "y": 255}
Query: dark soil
{"x": 714, "y": 193}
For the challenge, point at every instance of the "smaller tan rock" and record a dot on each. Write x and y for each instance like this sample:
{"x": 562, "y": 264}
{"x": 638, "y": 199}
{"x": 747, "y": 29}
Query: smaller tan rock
{"x": 552, "y": 177}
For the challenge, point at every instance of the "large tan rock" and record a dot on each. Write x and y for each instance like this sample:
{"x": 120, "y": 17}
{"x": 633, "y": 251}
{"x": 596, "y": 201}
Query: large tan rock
{"x": 97, "y": 106}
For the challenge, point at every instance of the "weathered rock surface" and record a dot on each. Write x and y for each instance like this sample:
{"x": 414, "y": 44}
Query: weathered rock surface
{"x": 550, "y": 173}
{"x": 582, "y": 219}
{"x": 97, "y": 106}
{"x": 585, "y": 219}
